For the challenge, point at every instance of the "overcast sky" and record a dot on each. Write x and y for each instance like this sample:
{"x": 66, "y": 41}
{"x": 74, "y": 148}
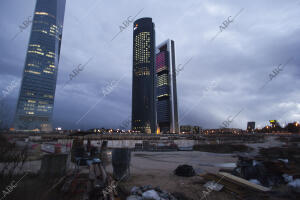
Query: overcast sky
{"x": 223, "y": 75}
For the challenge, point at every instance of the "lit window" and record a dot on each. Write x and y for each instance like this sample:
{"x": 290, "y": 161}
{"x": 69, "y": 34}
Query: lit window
{"x": 33, "y": 72}
{"x": 48, "y": 72}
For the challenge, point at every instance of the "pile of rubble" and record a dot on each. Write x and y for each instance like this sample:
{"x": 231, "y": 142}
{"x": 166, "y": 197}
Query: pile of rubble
{"x": 273, "y": 173}
{"x": 263, "y": 172}
{"x": 149, "y": 193}
{"x": 272, "y": 167}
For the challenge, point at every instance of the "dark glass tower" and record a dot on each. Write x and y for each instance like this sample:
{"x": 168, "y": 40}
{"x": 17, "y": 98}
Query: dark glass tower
{"x": 143, "y": 77}
{"x": 36, "y": 97}
{"x": 167, "y": 113}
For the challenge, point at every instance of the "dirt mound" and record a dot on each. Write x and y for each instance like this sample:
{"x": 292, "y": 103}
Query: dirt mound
{"x": 185, "y": 170}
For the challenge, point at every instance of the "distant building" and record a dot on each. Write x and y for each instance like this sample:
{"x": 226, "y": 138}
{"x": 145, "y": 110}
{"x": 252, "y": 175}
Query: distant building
{"x": 166, "y": 91}
{"x": 143, "y": 77}
{"x": 293, "y": 127}
{"x": 197, "y": 129}
{"x": 36, "y": 97}
{"x": 188, "y": 129}
{"x": 223, "y": 131}
{"x": 274, "y": 123}
{"x": 250, "y": 126}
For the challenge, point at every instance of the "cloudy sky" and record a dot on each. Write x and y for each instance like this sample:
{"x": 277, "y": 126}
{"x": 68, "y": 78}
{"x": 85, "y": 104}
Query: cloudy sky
{"x": 222, "y": 72}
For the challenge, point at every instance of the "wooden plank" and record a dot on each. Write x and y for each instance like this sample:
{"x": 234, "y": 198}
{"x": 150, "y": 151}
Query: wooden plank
{"x": 244, "y": 182}
{"x": 226, "y": 182}
{"x": 229, "y": 185}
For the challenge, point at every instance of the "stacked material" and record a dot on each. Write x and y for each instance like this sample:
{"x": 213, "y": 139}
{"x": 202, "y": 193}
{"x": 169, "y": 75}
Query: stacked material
{"x": 242, "y": 188}
{"x": 273, "y": 173}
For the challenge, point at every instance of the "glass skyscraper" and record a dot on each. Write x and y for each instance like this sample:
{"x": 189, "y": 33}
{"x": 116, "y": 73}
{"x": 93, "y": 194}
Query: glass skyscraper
{"x": 143, "y": 77}
{"x": 36, "y": 97}
{"x": 166, "y": 91}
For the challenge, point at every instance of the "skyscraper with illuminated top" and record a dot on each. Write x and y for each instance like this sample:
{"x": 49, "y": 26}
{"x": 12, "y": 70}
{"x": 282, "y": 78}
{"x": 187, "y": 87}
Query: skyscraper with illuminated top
{"x": 36, "y": 97}
{"x": 143, "y": 77}
{"x": 166, "y": 91}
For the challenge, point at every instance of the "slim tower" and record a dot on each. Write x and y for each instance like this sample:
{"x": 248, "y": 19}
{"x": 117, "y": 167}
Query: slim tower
{"x": 36, "y": 97}
{"x": 167, "y": 113}
{"x": 143, "y": 77}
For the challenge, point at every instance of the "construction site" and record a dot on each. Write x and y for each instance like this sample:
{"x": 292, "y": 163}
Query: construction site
{"x": 212, "y": 167}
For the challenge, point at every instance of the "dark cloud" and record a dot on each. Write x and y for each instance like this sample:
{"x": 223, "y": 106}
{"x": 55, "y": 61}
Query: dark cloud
{"x": 239, "y": 59}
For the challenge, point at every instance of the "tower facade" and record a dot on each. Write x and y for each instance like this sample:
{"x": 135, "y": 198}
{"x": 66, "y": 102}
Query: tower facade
{"x": 166, "y": 91}
{"x": 36, "y": 97}
{"x": 250, "y": 126}
{"x": 143, "y": 77}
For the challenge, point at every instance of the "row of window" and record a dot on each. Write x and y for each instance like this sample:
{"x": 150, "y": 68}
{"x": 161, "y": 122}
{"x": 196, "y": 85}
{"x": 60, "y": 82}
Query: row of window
{"x": 49, "y": 96}
{"x": 142, "y": 71}
{"x": 162, "y": 80}
{"x": 45, "y": 13}
{"x": 142, "y": 48}
{"x": 163, "y": 95}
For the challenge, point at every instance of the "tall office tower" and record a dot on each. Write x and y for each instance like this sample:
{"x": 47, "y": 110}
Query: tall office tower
{"x": 36, "y": 97}
{"x": 143, "y": 78}
{"x": 167, "y": 112}
{"x": 250, "y": 126}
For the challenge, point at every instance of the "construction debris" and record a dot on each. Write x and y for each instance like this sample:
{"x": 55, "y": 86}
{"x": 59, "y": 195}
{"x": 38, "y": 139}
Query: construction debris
{"x": 244, "y": 182}
{"x": 273, "y": 167}
{"x": 272, "y": 173}
{"x": 149, "y": 193}
{"x": 295, "y": 183}
{"x": 212, "y": 185}
{"x": 241, "y": 188}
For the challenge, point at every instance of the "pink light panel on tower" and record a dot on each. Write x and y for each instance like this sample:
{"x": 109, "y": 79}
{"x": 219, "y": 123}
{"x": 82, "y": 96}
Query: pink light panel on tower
{"x": 160, "y": 60}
